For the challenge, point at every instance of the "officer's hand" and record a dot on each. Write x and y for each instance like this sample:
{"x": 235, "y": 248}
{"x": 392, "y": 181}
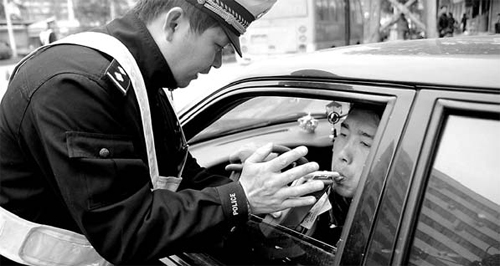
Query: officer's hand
{"x": 267, "y": 189}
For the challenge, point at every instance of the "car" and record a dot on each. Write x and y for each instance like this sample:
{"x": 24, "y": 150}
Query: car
{"x": 428, "y": 194}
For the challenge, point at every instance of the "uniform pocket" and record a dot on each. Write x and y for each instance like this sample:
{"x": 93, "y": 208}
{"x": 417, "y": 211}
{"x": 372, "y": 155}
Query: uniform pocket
{"x": 110, "y": 165}
{"x": 93, "y": 145}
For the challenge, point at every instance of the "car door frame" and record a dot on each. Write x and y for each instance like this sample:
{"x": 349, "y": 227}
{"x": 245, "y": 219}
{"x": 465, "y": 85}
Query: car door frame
{"x": 398, "y": 97}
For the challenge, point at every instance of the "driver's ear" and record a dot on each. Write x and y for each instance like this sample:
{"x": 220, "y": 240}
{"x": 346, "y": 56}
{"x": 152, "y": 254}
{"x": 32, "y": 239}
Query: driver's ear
{"x": 172, "y": 22}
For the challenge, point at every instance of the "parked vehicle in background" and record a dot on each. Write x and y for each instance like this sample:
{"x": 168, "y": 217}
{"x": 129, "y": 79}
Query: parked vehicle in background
{"x": 428, "y": 194}
{"x": 297, "y": 26}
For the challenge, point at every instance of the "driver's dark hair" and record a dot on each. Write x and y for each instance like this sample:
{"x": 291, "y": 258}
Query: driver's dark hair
{"x": 378, "y": 110}
{"x": 148, "y": 10}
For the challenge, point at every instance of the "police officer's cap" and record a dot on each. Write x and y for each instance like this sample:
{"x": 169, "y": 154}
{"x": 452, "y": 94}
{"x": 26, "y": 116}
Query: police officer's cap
{"x": 234, "y": 15}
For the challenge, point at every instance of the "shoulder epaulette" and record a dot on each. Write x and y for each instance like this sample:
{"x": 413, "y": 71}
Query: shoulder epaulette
{"x": 119, "y": 77}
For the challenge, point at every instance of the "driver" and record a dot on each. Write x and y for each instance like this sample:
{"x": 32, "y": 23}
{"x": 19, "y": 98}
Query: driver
{"x": 353, "y": 139}
{"x": 350, "y": 151}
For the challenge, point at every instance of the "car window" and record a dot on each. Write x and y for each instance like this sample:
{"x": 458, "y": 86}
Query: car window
{"x": 305, "y": 235}
{"x": 263, "y": 111}
{"x": 459, "y": 221}
{"x": 262, "y": 243}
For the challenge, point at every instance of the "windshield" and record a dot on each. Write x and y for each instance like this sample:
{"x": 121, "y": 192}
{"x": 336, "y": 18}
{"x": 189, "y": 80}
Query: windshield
{"x": 263, "y": 111}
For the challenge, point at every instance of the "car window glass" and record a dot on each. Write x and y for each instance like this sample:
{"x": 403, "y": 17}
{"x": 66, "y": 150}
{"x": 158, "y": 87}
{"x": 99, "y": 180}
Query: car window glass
{"x": 459, "y": 223}
{"x": 261, "y": 243}
{"x": 263, "y": 111}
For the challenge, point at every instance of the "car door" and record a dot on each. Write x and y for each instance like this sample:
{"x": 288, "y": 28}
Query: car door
{"x": 441, "y": 204}
{"x": 246, "y": 112}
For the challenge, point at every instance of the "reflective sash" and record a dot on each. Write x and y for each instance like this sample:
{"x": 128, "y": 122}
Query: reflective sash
{"x": 34, "y": 244}
{"x": 42, "y": 245}
{"x": 113, "y": 47}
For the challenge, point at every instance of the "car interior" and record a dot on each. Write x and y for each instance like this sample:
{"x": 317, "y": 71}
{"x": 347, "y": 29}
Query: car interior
{"x": 287, "y": 122}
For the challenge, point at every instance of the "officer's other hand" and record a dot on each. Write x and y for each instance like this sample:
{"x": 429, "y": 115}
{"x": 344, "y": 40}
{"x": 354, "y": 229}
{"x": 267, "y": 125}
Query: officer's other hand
{"x": 328, "y": 177}
{"x": 309, "y": 178}
{"x": 267, "y": 188}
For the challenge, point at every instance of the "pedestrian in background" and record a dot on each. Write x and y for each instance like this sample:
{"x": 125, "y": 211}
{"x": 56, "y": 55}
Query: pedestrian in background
{"x": 497, "y": 24}
{"x": 464, "y": 22}
{"x": 93, "y": 160}
{"x": 402, "y": 27}
{"x": 443, "y": 21}
{"x": 452, "y": 24}
{"x": 48, "y": 35}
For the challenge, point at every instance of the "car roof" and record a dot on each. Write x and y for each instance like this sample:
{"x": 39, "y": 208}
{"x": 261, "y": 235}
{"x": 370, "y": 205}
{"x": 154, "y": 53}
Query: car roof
{"x": 468, "y": 61}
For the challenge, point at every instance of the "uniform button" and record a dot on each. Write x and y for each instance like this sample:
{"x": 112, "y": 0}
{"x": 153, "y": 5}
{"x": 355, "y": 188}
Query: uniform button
{"x": 104, "y": 153}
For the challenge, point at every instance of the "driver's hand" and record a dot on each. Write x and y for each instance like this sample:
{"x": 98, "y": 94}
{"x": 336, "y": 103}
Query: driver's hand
{"x": 245, "y": 151}
{"x": 238, "y": 157}
{"x": 266, "y": 187}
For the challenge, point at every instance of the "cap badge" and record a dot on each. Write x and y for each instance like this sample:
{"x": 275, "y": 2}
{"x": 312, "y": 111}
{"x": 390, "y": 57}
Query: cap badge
{"x": 225, "y": 12}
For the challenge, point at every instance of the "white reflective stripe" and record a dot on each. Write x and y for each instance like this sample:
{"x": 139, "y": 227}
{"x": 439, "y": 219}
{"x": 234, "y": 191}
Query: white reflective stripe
{"x": 41, "y": 245}
{"x": 169, "y": 182}
{"x": 9, "y": 234}
{"x": 116, "y": 49}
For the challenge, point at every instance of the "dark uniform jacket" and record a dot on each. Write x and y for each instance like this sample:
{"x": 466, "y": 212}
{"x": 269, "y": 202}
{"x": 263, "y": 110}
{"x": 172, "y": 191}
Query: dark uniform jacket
{"x": 73, "y": 155}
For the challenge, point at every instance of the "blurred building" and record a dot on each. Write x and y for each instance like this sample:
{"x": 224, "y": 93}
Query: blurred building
{"x": 482, "y": 14}
{"x": 30, "y": 17}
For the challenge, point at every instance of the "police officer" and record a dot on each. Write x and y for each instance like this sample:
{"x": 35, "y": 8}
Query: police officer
{"x": 90, "y": 145}
{"x": 48, "y": 35}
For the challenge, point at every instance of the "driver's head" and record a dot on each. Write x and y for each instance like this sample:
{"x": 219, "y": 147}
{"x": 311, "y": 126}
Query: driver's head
{"x": 352, "y": 146}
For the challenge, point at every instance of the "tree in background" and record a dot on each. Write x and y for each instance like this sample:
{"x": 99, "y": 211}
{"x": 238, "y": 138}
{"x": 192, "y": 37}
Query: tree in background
{"x": 16, "y": 9}
{"x": 371, "y": 24}
{"x": 2, "y": 11}
{"x": 91, "y": 13}
{"x": 381, "y": 15}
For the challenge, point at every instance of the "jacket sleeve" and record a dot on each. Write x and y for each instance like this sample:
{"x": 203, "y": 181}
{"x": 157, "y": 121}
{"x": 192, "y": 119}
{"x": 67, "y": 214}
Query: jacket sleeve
{"x": 197, "y": 177}
{"x": 90, "y": 151}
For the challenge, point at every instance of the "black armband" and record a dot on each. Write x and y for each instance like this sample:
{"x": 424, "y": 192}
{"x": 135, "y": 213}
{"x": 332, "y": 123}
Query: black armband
{"x": 234, "y": 202}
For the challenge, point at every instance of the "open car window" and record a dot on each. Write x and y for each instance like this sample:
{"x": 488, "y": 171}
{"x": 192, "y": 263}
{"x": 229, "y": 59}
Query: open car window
{"x": 297, "y": 239}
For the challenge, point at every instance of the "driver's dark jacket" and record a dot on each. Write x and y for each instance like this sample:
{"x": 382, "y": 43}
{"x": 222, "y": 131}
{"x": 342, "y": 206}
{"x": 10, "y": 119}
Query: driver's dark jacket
{"x": 59, "y": 113}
